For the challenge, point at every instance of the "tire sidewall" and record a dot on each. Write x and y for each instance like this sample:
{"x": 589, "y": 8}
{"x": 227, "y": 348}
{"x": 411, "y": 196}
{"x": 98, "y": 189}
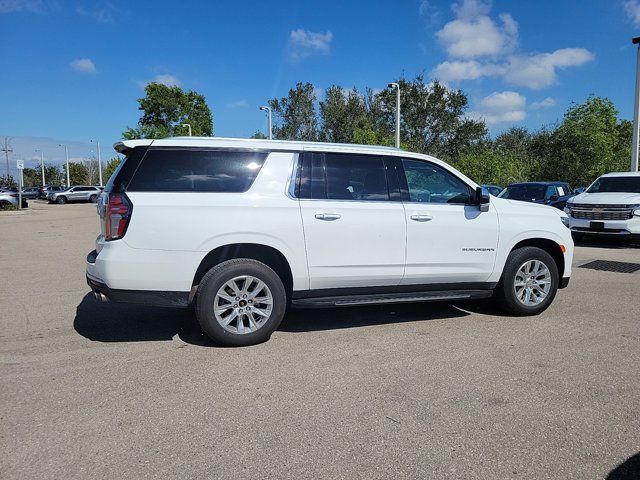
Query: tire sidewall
{"x": 516, "y": 259}
{"x": 218, "y": 276}
{"x": 61, "y": 200}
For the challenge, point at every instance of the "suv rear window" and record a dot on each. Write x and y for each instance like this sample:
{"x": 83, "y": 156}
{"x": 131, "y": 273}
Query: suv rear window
{"x": 196, "y": 170}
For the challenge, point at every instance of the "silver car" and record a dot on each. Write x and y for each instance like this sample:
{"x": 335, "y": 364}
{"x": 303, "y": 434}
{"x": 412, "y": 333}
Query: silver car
{"x": 10, "y": 197}
{"x": 78, "y": 193}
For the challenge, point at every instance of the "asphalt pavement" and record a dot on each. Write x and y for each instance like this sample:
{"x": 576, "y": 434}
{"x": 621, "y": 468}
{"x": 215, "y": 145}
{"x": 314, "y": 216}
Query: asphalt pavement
{"x": 90, "y": 390}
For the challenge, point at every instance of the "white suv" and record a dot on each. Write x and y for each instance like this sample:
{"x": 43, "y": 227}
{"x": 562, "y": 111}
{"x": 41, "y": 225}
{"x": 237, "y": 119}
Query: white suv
{"x": 245, "y": 228}
{"x": 610, "y": 206}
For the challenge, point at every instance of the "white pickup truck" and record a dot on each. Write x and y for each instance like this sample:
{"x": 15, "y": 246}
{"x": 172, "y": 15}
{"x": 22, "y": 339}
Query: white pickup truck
{"x": 246, "y": 228}
{"x": 610, "y": 206}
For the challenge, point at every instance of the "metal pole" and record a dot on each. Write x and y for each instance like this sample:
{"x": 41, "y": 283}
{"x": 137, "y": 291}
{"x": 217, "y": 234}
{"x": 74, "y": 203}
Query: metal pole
{"x": 6, "y": 151}
{"x": 269, "y": 120}
{"x": 19, "y": 189}
{"x": 188, "y": 125}
{"x": 42, "y": 166}
{"x": 66, "y": 153}
{"x": 397, "y": 87}
{"x": 636, "y": 113}
{"x": 99, "y": 163}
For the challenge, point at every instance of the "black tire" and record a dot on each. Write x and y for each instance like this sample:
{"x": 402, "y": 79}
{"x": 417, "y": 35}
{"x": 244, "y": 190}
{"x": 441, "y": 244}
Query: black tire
{"x": 505, "y": 291}
{"x": 211, "y": 283}
{"x": 93, "y": 198}
{"x": 61, "y": 200}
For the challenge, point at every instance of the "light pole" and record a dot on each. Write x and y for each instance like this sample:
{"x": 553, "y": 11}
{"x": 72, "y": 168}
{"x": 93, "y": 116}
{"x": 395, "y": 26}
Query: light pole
{"x": 99, "y": 161}
{"x": 397, "y": 88}
{"x": 188, "y": 125}
{"x": 41, "y": 165}
{"x": 268, "y": 110}
{"x": 66, "y": 154}
{"x": 636, "y": 112}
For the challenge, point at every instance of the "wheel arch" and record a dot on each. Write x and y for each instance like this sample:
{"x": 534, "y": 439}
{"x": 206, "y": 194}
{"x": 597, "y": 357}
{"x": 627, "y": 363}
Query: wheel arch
{"x": 549, "y": 246}
{"x": 270, "y": 256}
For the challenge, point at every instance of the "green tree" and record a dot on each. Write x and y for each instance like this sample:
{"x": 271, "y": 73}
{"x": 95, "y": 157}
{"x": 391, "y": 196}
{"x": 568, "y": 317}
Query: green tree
{"x": 110, "y": 168}
{"x": 259, "y": 135}
{"x": 165, "y": 109}
{"x": 31, "y": 177}
{"x": 295, "y": 116}
{"x": 341, "y": 112}
{"x": 590, "y": 141}
{"x": 78, "y": 173}
{"x": 433, "y": 118}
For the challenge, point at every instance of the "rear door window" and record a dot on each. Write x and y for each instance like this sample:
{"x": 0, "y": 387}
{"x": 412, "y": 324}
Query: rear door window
{"x": 196, "y": 170}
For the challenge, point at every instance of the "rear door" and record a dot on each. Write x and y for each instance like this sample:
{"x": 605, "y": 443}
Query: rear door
{"x": 449, "y": 240}
{"x": 354, "y": 225}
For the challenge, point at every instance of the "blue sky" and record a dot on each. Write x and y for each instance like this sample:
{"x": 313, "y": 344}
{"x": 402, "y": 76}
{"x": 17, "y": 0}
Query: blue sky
{"x": 73, "y": 70}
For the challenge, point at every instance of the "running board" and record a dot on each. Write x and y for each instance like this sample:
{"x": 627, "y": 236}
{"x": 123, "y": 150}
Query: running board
{"x": 378, "y": 299}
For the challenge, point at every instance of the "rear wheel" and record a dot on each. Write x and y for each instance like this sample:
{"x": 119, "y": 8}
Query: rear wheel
{"x": 61, "y": 200}
{"x": 93, "y": 198}
{"x": 240, "y": 302}
{"x": 529, "y": 281}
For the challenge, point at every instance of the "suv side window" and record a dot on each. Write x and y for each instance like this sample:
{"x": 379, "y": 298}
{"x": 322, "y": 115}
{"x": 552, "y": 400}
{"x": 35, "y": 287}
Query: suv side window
{"x": 196, "y": 170}
{"x": 429, "y": 183}
{"x": 343, "y": 176}
{"x": 551, "y": 190}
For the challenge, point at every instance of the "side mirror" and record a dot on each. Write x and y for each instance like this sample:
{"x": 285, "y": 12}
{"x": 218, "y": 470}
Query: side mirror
{"x": 553, "y": 198}
{"x": 482, "y": 199}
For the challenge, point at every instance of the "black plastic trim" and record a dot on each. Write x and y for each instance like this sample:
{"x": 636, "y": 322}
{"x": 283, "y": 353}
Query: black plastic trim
{"x": 431, "y": 287}
{"x": 145, "y": 297}
{"x": 564, "y": 282}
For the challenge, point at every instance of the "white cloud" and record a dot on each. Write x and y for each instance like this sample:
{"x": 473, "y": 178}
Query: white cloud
{"x": 103, "y": 12}
{"x": 428, "y": 11}
{"x": 166, "y": 79}
{"x": 632, "y": 7}
{"x": 83, "y": 65}
{"x": 238, "y": 104}
{"x": 501, "y": 107}
{"x": 474, "y": 34}
{"x": 539, "y": 71}
{"x": 456, "y": 70}
{"x": 546, "y": 103}
{"x": 33, "y": 6}
{"x": 304, "y": 43}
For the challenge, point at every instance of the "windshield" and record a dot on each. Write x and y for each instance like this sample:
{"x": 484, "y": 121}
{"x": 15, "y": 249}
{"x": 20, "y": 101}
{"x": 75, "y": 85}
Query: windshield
{"x": 615, "y": 184}
{"x": 527, "y": 193}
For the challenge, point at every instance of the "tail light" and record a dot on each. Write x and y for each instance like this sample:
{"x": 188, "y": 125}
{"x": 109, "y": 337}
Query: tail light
{"x": 14, "y": 195}
{"x": 117, "y": 213}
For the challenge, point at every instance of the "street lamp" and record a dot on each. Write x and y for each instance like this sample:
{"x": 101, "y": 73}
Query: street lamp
{"x": 397, "y": 88}
{"x": 268, "y": 110}
{"x": 636, "y": 112}
{"x": 99, "y": 161}
{"x": 66, "y": 154}
{"x": 41, "y": 165}
{"x": 188, "y": 125}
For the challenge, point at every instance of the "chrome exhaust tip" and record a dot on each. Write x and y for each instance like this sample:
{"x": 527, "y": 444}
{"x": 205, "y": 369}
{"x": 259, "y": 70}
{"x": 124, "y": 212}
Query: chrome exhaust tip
{"x": 101, "y": 297}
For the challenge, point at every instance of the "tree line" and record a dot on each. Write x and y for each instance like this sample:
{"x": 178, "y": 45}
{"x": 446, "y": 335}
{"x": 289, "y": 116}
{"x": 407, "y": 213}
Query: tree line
{"x": 589, "y": 140}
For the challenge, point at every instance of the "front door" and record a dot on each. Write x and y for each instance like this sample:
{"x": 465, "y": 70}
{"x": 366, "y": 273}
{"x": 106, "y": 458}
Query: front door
{"x": 449, "y": 240}
{"x": 355, "y": 234}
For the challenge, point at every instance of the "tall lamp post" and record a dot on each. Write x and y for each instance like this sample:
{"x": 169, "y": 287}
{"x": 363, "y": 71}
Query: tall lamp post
{"x": 268, "y": 110}
{"x": 42, "y": 165}
{"x": 636, "y": 112}
{"x": 66, "y": 154}
{"x": 99, "y": 162}
{"x": 397, "y": 88}
{"x": 188, "y": 125}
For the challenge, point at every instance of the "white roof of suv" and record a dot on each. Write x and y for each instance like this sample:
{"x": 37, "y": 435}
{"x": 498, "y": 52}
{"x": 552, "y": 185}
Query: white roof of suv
{"x": 278, "y": 145}
{"x": 621, "y": 174}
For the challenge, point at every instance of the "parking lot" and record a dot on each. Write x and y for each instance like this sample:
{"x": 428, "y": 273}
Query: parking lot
{"x": 437, "y": 390}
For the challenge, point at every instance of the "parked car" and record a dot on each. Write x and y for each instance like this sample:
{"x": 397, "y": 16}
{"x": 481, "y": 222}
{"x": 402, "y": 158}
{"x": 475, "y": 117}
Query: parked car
{"x": 577, "y": 191}
{"x": 244, "y": 228}
{"x": 554, "y": 194}
{"x": 493, "y": 189}
{"x": 47, "y": 189}
{"x": 30, "y": 192}
{"x": 9, "y": 197}
{"x": 610, "y": 206}
{"x": 78, "y": 193}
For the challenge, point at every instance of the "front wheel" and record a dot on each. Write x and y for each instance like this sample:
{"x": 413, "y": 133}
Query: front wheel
{"x": 240, "y": 302}
{"x": 529, "y": 281}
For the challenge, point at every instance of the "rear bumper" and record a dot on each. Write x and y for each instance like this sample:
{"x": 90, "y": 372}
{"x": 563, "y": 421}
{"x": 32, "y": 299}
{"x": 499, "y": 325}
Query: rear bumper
{"x": 144, "y": 297}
